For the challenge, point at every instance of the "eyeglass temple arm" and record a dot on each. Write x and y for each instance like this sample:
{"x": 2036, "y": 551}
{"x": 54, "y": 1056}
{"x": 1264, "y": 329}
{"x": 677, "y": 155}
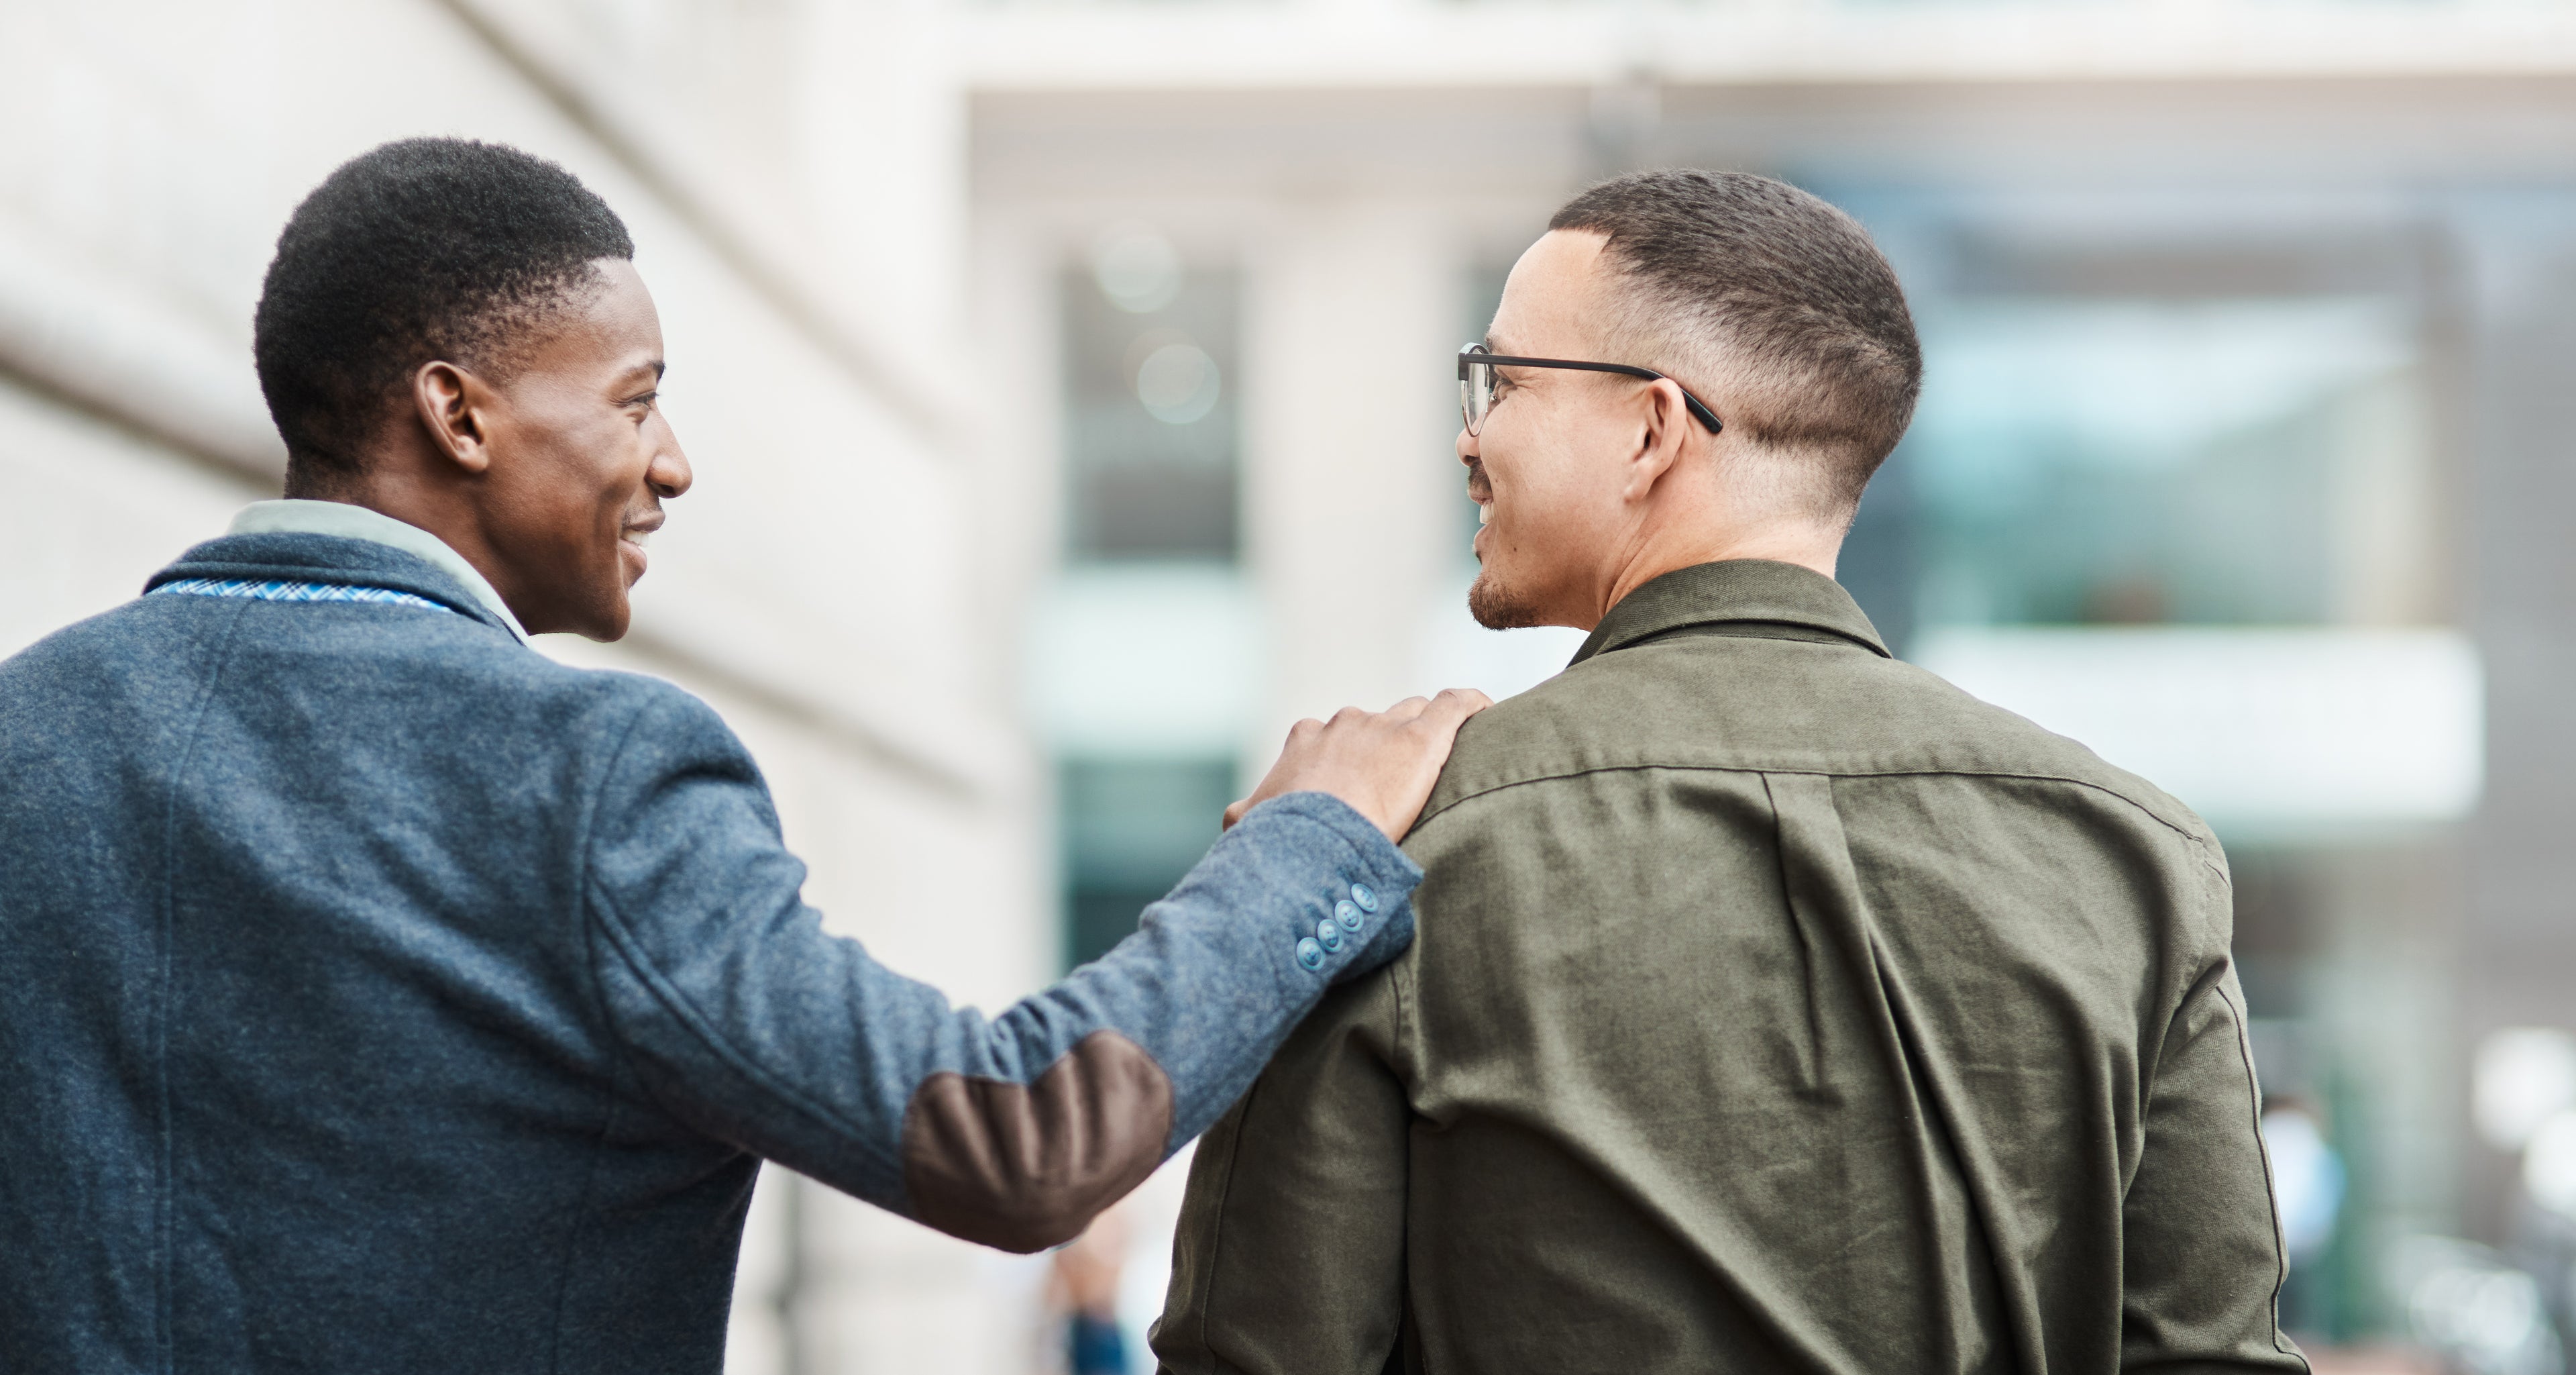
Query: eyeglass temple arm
{"x": 1699, "y": 409}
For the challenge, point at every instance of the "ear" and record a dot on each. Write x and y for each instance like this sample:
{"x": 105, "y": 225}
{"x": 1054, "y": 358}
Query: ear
{"x": 455, "y": 407}
{"x": 1662, "y": 440}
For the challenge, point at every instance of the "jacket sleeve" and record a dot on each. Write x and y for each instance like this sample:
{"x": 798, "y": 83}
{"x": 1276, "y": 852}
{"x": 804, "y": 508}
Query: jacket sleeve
{"x": 1290, "y": 1251}
{"x": 747, "y": 1021}
{"x": 2202, "y": 1255}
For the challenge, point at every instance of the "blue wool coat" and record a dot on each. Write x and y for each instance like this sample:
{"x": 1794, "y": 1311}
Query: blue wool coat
{"x": 381, "y": 995}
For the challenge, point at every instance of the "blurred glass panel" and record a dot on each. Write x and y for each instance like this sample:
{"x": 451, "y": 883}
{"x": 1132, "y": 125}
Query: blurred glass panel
{"x": 1132, "y": 828}
{"x": 2227, "y": 462}
{"x": 1146, "y": 659}
{"x": 2268, "y": 733}
{"x": 1151, "y": 394}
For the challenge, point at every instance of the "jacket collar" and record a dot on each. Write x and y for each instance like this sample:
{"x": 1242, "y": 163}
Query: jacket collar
{"x": 301, "y": 557}
{"x": 351, "y": 521}
{"x": 1751, "y": 597}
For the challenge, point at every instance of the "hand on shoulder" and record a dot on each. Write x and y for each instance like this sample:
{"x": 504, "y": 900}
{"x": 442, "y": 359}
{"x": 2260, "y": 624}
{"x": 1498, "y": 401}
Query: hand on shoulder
{"x": 1382, "y": 763}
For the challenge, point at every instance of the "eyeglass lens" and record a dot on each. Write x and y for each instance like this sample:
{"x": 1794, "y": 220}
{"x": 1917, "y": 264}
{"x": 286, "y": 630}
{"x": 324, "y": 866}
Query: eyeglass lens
{"x": 1476, "y": 395}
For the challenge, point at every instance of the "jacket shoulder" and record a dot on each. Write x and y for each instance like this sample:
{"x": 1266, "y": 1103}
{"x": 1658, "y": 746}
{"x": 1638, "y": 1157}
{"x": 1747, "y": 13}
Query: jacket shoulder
{"x": 1764, "y": 705}
{"x": 431, "y": 665}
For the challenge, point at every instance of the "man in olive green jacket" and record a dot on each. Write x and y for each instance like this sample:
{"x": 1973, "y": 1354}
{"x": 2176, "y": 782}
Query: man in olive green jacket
{"x": 1775, "y": 1006}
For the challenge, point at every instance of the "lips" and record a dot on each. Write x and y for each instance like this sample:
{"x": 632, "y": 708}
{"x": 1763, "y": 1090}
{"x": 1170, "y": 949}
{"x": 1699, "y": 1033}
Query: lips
{"x": 631, "y": 545}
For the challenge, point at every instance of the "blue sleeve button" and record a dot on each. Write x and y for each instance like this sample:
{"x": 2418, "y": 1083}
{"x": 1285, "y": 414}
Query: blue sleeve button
{"x": 1365, "y": 896}
{"x": 1329, "y": 934}
{"x": 1310, "y": 953}
{"x": 1347, "y": 913}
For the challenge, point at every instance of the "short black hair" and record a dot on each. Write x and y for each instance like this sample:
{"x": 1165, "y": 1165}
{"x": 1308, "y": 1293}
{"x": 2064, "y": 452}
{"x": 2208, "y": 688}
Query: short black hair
{"x": 422, "y": 250}
{"x": 1777, "y": 301}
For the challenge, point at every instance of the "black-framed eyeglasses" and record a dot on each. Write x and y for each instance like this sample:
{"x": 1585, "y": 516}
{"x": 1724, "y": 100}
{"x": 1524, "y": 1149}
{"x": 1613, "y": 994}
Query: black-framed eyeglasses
{"x": 1476, "y": 366}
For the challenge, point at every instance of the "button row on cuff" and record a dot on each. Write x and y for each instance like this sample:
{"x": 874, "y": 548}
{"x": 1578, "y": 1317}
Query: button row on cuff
{"x": 1349, "y": 914}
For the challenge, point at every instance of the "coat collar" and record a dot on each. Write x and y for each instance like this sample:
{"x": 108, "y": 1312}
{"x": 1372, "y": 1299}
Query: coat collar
{"x": 1752, "y": 597}
{"x": 301, "y": 557}
{"x": 351, "y": 521}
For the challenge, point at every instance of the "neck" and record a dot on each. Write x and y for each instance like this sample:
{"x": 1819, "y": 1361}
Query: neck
{"x": 1668, "y": 551}
{"x": 397, "y": 485}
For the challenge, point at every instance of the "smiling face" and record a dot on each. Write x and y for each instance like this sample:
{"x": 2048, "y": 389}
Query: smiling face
{"x": 578, "y": 462}
{"x": 1550, "y": 464}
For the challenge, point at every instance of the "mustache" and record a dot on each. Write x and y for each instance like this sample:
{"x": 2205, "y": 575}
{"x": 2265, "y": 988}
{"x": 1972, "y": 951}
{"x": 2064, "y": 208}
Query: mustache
{"x": 1478, "y": 487}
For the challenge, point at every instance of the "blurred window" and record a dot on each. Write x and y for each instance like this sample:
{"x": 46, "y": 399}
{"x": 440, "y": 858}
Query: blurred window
{"x": 1132, "y": 827}
{"x": 1151, "y": 391}
{"x": 2200, "y": 462}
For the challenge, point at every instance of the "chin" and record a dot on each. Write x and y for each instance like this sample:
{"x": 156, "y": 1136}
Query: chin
{"x": 604, "y": 620}
{"x": 611, "y": 627}
{"x": 1498, "y": 607}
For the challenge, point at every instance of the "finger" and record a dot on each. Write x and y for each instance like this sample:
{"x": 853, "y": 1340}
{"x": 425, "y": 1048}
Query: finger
{"x": 1304, "y": 730}
{"x": 1452, "y": 707}
{"x": 1234, "y": 812}
{"x": 1407, "y": 709}
{"x": 1348, "y": 717}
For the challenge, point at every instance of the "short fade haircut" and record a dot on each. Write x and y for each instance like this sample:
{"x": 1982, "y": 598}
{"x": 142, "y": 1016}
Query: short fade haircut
{"x": 424, "y": 250}
{"x": 1774, "y": 302}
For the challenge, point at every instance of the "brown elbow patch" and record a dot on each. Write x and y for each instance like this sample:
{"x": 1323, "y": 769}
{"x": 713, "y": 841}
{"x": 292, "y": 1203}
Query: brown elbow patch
{"x": 1027, "y": 1166}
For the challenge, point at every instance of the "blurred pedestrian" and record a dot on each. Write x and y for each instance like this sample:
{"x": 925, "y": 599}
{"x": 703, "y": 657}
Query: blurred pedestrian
{"x": 2307, "y": 1175}
{"x": 1083, "y": 1282}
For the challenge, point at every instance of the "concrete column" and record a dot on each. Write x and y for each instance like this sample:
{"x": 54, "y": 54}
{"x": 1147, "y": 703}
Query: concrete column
{"x": 1349, "y": 478}
{"x": 881, "y": 134}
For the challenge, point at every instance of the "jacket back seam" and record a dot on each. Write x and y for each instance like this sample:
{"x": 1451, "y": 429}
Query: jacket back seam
{"x": 2035, "y": 777}
{"x": 165, "y": 1203}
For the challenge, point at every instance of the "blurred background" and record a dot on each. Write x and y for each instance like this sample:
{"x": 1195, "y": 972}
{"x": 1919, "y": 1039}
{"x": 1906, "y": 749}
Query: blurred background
{"x": 1070, "y": 392}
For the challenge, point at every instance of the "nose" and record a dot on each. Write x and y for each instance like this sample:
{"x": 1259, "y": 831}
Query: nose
{"x": 1467, "y": 450}
{"x": 668, "y": 474}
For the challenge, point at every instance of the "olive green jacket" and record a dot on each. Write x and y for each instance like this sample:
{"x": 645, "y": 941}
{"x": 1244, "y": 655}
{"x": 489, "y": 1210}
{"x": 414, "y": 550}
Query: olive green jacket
{"x": 1775, "y": 1006}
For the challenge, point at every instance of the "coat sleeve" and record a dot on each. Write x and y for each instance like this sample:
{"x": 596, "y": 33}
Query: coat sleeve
{"x": 1290, "y": 1251}
{"x": 747, "y": 1021}
{"x": 2202, "y": 1255}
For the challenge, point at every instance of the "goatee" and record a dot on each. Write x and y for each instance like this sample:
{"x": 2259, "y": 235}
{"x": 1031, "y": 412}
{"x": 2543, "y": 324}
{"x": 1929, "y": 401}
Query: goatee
{"x": 1497, "y": 607}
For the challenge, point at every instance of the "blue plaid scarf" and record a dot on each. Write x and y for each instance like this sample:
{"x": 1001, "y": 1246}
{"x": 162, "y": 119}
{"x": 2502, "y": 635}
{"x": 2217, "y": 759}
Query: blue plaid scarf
{"x": 297, "y": 592}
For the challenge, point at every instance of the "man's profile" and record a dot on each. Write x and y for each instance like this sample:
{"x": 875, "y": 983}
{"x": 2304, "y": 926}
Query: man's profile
{"x": 1775, "y": 1006}
{"x": 385, "y": 996}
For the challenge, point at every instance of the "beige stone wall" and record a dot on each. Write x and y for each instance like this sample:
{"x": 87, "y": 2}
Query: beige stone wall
{"x": 820, "y": 586}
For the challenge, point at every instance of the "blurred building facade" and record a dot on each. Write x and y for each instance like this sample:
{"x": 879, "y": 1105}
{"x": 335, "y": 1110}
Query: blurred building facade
{"x": 1069, "y": 385}
{"x": 825, "y": 585}
{"x": 2241, "y": 459}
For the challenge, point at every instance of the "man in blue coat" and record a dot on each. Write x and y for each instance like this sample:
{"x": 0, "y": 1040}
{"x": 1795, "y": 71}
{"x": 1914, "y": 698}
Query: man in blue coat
{"x": 384, "y": 996}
